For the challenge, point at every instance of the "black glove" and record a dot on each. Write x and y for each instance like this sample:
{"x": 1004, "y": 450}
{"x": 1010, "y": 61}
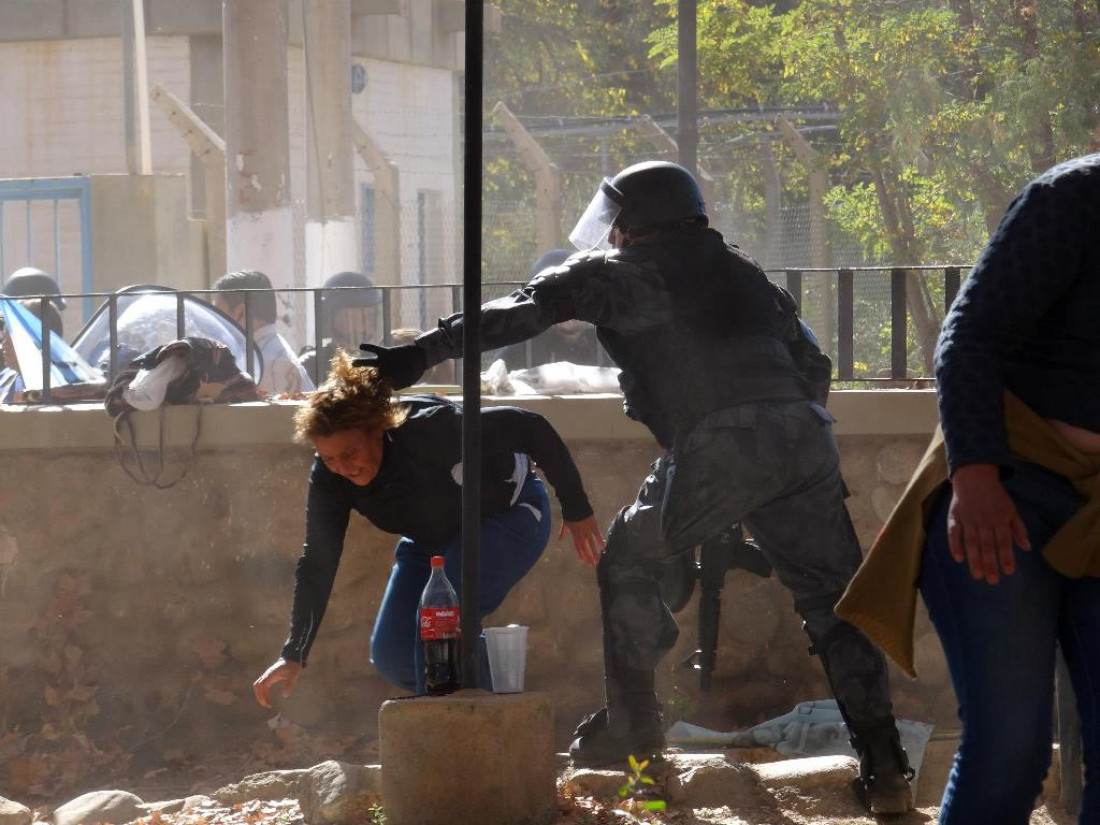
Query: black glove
{"x": 402, "y": 365}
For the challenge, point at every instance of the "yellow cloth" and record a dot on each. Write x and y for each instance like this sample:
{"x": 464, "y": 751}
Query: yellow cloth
{"x": 881, "y": 599}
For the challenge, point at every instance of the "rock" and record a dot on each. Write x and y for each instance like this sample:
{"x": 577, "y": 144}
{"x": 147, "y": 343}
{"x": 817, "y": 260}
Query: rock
{"x": 199, "y": 801}
{"x": 12, "y": 813}
{"x": 335, "y": 792}
{"x": 594, "y": 783}
{"x": 681, "y": 762}
{"x": 168, "y": 806}
{"x": 896, "y": 461}
{"x": 712, "y": 786}
{"x": 107, "y": 807}
{"x": 267, "y": 785}
{"x": 884, "y": 498}
{"x": 754, "y": 755}
{"x": 815, "y": 773}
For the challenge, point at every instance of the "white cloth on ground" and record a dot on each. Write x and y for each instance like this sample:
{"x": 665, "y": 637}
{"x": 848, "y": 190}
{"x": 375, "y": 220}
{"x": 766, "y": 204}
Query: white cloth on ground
{"x": 813, "y": 728}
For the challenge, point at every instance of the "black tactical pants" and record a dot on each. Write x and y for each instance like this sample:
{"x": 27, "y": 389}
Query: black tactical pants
{"x": 774, "y": 467}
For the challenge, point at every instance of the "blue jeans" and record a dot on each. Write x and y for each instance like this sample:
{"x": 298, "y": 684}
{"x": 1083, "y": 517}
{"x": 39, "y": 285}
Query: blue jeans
{"x": 1000, "y": 646}
{"x": 511, "y": 543}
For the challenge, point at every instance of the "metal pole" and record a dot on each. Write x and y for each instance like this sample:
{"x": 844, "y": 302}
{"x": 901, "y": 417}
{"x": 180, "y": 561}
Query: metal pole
{"x": 250, "y": 367}
{"x": 687, "y": 103}
{"x": 471, "y": 338}
{"x": 898, "y": 321}
{"x": 145, "y": 162}
{"x": 47, "y": 356}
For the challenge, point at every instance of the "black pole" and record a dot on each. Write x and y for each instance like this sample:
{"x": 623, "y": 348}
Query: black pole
{"x": 471, "y": 352}
{"x": 687, "y": 100}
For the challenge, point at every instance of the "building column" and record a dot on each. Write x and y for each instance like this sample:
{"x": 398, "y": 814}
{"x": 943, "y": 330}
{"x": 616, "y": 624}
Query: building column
{"x": 331, "y": 235}
{"x": 259, "y": 220}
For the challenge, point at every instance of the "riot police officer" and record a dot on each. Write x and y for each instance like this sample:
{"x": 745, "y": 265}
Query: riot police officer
{"x": 30, "y": 280}
{"x": 348, "y": 317}
{"x": 703, "y": 340}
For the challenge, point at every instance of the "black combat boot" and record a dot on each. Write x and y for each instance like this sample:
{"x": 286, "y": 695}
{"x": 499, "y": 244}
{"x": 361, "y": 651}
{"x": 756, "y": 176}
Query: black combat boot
{"x": 884, "y": 771}
{"x": 630, "y": 724}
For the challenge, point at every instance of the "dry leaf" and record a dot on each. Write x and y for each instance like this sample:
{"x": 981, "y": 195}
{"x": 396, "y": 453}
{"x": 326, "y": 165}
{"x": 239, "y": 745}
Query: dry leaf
{"x": 219, "y": 696}
{"x": 211, "y": 651}
{"x": 51, "y": 663}
{"x": 73, "y": 655}
{"x": 81, "y": 693}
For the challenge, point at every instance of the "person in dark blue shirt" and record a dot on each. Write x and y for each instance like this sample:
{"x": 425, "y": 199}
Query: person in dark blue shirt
{"x": 399, "y": 465}
{"x": 1025, "y": 323}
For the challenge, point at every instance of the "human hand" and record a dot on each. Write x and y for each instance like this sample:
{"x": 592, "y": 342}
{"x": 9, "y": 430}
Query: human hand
{"x": 281, "y": 673}
{"x": 402, "y": 365}
{"x": 983, "y": 523}
{"x": 587, "y": 538}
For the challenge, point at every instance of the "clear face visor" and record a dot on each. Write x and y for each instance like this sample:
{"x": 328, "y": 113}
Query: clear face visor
{"x": 595, "y": 224}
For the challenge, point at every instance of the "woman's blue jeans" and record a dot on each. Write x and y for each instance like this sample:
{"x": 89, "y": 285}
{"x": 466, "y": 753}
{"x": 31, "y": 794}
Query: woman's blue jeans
{"x": 511, "y": 543}
{"x": 1000, "y": 646}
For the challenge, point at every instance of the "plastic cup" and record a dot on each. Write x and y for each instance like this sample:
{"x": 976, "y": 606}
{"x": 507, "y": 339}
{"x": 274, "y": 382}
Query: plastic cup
{"x": 507, "y": 649}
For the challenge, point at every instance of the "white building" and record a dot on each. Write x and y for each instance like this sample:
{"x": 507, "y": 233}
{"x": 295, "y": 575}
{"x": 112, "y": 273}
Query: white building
{"x": 63, "y": 111}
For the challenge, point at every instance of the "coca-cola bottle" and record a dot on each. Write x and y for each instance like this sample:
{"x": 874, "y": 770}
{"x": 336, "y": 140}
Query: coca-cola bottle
{"x": 440, "y": 632}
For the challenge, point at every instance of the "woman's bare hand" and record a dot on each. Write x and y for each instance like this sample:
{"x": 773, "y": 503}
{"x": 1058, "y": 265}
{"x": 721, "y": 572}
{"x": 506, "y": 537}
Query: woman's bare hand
{"x": 282, "y": 674}
{"x": 983, "y": 523}
{"x": 587, "y": 539}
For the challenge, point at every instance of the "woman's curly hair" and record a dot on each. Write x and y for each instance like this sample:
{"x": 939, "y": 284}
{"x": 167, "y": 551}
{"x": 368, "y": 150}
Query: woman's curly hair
{"x": 352, "y": 398}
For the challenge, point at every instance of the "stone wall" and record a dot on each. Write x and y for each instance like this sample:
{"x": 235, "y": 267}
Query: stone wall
{"x": 142, "y": 615}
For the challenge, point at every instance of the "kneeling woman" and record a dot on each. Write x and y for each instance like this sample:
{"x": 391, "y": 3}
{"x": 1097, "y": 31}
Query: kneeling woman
{"x": 399, "y": 465}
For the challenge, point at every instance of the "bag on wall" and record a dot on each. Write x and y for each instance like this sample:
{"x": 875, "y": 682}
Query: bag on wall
{"x": 188, "y": 371}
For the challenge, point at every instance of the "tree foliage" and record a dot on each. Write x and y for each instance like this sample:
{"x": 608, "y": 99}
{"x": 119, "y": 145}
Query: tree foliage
{"x": 943, "y": 108}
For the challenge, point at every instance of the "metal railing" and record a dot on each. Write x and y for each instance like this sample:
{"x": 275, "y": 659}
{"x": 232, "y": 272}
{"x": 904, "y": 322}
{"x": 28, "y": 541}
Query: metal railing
{"x": 797, "y": 281}
{"x": 844, "y": 366}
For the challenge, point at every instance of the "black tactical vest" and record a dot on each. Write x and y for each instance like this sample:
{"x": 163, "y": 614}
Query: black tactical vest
{"x": 723, "y": 347}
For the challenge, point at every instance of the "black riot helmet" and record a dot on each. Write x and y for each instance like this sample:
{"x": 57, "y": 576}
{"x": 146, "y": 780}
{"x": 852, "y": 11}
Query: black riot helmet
{"x": 32, "y": 281}
{"x": 643, "y": 195}
{"x": 350, "y": 298}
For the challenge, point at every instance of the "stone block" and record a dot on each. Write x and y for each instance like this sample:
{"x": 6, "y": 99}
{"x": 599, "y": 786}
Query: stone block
{"x": 594, "y": 783}
{"x": 939, "y": 755}
{"x": 815, "y": 773}
{"x": 470, "y": 756}
{"x": 718, "y": 784}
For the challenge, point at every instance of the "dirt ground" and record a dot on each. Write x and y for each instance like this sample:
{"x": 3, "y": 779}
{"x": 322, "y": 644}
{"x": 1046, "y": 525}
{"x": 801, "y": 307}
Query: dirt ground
{"x": 786, "y": 806}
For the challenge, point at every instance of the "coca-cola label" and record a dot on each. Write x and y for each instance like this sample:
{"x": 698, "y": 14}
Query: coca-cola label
{"x": 439, "y": 623}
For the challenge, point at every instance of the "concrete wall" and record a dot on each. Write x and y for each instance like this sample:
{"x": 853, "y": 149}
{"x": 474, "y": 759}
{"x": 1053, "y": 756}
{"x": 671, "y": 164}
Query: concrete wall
{"x": 61, "y": 107}
{"x": 141, "y": 233}
{"x": 145, "y": 614}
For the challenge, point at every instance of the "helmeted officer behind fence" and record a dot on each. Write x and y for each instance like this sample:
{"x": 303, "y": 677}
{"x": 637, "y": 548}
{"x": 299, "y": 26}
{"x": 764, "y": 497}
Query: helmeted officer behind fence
{"x": 705, "y": 344}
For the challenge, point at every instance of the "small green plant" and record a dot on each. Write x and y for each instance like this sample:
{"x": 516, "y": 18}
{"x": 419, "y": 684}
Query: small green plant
{"x": 636, "y": 783}
{"x": 375, "y": 815}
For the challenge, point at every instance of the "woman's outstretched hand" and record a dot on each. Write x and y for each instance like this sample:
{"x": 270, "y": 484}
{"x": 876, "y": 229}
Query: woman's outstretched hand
{"x": 983, "y": 524}
{"x": 587, "y": 538}
{"x": 282, "y": 673}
